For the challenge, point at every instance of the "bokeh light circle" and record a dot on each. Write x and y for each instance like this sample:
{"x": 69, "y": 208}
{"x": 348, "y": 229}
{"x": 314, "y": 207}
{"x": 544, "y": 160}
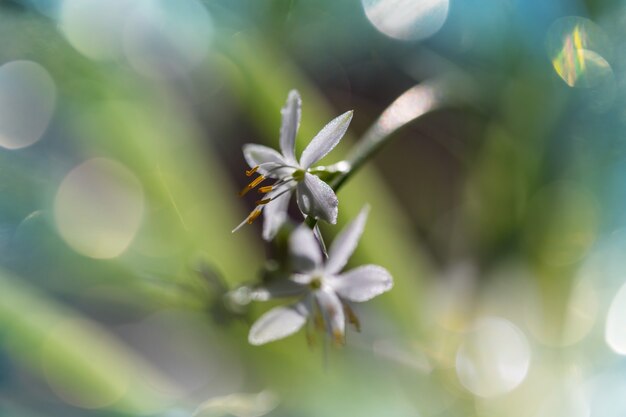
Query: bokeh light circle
{"x": 581, "y": 312}
{"x": 579, "y": 49}
{"x": 606, "y": 394}
{"x": 94, "y": 27}
{"x": 615, "y": 330}
{"x": 568, "y": 398}
{"x": 561, "y": 325}
{"x": 166, "y": 39}
{"x": 494, "y": 358}
{"x": 27, "y": 100}
{"x": 407, "y": 19}
{"x": 588, "y": 69}
{"x": 98, "y": 208}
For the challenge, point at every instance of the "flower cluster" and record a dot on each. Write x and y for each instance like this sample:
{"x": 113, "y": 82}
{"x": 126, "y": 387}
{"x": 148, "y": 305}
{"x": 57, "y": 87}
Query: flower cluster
{"x": 323, "y": 293}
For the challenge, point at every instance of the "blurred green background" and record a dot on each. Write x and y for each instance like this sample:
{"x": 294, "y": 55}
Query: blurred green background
{"x": 499, "y": 210}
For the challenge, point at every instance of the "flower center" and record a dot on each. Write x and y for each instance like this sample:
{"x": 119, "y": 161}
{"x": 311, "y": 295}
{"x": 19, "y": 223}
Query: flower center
{"x": 298, "y": 175}
{"x": 281, "y": 186}
{"x": 316, "y": 283}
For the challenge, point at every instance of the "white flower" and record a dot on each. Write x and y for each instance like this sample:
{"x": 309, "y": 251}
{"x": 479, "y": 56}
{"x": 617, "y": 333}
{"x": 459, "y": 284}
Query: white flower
{"x": 323, "y": 290}
{"x": 314, "y": 196}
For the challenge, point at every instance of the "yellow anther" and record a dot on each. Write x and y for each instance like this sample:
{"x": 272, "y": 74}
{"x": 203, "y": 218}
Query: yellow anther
{"x": 315, "y": 284}
{"x": 318, "y": 321}
{"x": 264, "y": 201}
{"x": 310, "y": 338}
{"x": 254, "y": 215}
{"x": 252, "y": 171}
{"x": 251, "y": 186}
{"x": 338, "y": 336}
{"x": 352, "y": 317}
{"x": 266, "y": 189}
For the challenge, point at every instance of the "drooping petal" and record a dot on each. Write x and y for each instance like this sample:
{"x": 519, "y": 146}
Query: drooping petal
{"x": 305, "y": 250}
{"x": 318, "y": 235}
{"x": 267, "y": 159}
{"x": 320, "y": 239}
{"x": 345, "y": 243}
{"x": 275, "y": 213}
{"x": 332, "y": 311}
{"x": 301, "y": 279}
{"x": 279, "y": 288}
{"x": 277, "y": 323}
{"x": 325, "y": 140}
{"x": 362, "y": 283}
{"x": 317, "y": 199}
{"x": 289, "y": 127}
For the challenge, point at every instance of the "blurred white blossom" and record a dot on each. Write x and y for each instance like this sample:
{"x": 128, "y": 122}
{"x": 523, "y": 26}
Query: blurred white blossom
{"x": 314, "y": 196}
{"x": 324, "y": 291}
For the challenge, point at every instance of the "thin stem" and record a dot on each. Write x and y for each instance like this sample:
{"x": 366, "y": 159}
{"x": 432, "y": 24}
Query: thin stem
{"x": 411, "y": 105}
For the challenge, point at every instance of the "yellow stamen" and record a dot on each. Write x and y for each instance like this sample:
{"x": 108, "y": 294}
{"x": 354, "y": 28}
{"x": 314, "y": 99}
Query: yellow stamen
{"x": 352, "y": 317}
{"x": 252, "y": 171}
{"x": 264, "y": 201}
{"x": 251, "y": 186}
{"x": 318, "y": 321}
{"x": 310, "y": 338}
{"x": 339, "y": 338}
{"x": 266, "y": 189}
{"x": 254, "y": 215}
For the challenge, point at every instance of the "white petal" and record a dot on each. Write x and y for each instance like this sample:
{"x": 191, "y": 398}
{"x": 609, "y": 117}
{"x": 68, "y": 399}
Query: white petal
{"x": 278, "y": 288}
{"x": 325, "y": 140}
{"x": 277, "y": 323}
{"x": 255, "y": 155}
{"x": 320, "y": 239}
{"x": 332, "y": 311}
{"x": 317, "y": 199}
{"x": 275, "y": 214}
{"x": 305, "y": 250}
{"x": 301, "y": 279}
{"x": 345, "y": 243}
{"x": 289, "y": 127}
{"x": 362, "y": 283}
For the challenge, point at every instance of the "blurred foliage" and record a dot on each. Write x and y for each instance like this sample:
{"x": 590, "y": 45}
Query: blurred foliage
{"x": 499, "y": 215}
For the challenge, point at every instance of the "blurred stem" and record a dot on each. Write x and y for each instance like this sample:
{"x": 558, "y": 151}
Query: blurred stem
{"x": 414, "y": 103}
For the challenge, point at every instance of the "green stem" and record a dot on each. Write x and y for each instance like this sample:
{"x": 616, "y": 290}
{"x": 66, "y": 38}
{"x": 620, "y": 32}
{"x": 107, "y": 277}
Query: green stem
{"x": 411, "y": 105}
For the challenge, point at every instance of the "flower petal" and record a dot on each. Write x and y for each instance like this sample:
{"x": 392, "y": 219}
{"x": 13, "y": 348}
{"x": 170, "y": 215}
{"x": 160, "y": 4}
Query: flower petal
{"x": 320, "y": 239}
{"x": 332, "y": 311}
{"x": 275, "y": 214}
{"x": 278, "y": 288}
{"x": 301, "y": 279}
{"x": 305, "y": 250}
{"x": 345, "y": 243}
{"x": 325, "y": 140}
{"x": 289, "y": 127}
{"x": 277, "y": 323}
{"x": 257, "y": 155}
{"x": 362, "y": 283}
{"x": 317, "y": 199}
